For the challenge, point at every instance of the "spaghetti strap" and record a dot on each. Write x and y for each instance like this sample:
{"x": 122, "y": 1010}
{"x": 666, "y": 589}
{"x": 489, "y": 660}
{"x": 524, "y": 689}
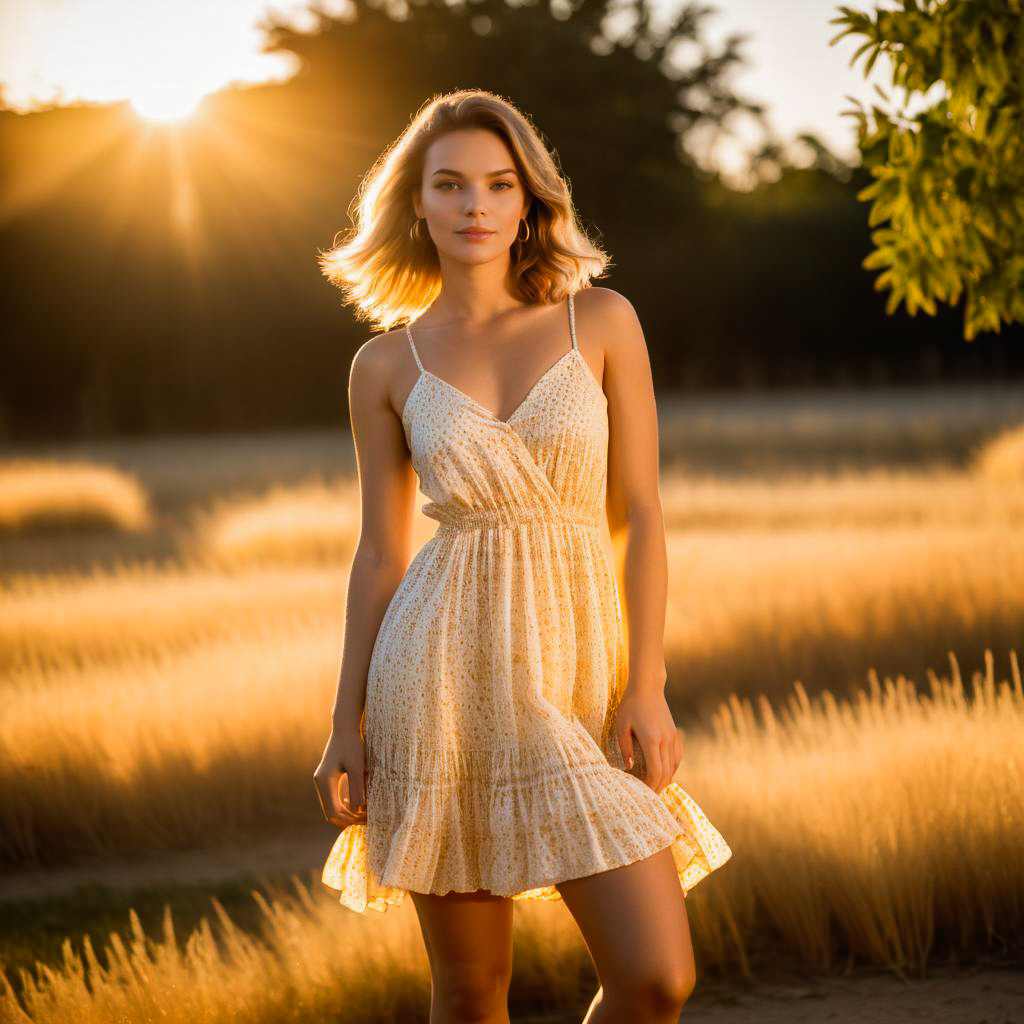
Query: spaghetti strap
{"x": 412, "y": 345}
{"x": 572, "y": 322}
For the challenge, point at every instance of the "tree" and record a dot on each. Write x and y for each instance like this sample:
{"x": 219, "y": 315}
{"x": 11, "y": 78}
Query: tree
{"x": 950, "y": 179}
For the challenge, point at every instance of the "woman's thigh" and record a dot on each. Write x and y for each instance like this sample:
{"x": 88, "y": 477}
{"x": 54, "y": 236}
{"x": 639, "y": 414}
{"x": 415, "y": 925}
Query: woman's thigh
{"x": 468, "y": 938}
{"x": 634, "y": 922}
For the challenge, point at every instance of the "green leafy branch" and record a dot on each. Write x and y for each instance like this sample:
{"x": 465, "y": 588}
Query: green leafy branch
{"x": 949, "y": 180}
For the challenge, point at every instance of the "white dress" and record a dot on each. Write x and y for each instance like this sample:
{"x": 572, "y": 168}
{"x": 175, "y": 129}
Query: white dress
{"x": 492, "y": 688}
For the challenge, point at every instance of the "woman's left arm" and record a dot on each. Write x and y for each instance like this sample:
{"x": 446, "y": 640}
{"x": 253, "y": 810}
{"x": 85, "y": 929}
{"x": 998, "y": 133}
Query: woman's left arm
{"x": 638, "y": 533}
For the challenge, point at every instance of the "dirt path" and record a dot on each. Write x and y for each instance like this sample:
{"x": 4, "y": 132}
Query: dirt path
{"x": 988, "y": 996}
{"x": 297, "y": 851}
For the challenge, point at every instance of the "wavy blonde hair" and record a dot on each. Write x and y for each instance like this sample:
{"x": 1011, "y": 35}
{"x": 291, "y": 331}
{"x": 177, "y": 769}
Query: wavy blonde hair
{"x": 391, "y": 278}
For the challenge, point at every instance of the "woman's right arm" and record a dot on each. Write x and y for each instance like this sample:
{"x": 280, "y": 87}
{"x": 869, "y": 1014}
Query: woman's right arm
{"x": 387, "y": 489}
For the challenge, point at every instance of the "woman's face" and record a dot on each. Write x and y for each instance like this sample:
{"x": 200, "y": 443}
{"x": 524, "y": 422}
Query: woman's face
{"x": 470, "y": 181}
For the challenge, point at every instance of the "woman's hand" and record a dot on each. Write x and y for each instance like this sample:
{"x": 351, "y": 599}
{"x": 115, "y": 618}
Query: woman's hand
{"x": 647, "y": 717}
{"x": 340, "y": 779}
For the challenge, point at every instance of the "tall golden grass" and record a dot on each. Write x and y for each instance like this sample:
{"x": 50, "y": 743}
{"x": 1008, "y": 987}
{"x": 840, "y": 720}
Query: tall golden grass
{"x": 309, "y": 524}
{"x": 311, "y": 961}
{"x": 164, "y": 706}
{"x": 150, "y": 706}
{"x": 750, "y": 610}
{"x": 49, "y": 494}
{"x": 1001, "y": 457}
{"x": 884, "y": 830}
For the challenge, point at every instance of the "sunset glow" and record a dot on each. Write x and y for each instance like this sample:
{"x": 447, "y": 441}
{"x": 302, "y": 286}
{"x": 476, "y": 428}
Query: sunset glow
{"x": 164, "y": 104}
{"x": 162, "y": 58}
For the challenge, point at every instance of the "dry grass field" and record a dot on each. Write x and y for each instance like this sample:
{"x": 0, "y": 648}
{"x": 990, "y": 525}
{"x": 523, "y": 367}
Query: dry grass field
{"x": 844, "y": 629}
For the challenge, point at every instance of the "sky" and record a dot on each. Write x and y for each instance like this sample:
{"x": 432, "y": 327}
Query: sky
{"x": 790, "y": 67}
{"x": 148, "y": 53}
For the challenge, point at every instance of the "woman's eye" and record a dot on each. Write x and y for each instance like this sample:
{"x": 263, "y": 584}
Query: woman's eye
{"x": 445, "y": 184}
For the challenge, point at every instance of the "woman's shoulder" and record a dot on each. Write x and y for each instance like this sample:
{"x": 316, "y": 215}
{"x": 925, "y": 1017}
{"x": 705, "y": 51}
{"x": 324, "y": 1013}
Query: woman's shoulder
{"x": 608, "y": 317}
{"x": 603, "y": 302}
{"x": 380, "y": 357}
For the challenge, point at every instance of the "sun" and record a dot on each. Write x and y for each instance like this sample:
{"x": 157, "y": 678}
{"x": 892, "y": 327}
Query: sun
{"x": 159, "y": 102}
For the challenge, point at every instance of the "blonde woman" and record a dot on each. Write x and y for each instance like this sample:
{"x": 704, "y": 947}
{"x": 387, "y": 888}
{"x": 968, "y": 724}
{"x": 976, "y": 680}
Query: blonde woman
{"x": 490, "y": 739}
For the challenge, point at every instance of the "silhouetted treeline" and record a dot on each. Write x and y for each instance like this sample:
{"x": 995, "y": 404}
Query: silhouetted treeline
{"x": 161, "y": 280}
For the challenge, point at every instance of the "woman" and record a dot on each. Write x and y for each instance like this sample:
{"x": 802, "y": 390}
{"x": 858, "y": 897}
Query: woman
{"x": 487, "y": 717}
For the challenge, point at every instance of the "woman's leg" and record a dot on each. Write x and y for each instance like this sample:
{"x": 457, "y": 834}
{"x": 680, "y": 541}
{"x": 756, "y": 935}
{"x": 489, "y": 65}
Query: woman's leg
{"x": 633, "y": 920}
{"x": 468, "y": 937}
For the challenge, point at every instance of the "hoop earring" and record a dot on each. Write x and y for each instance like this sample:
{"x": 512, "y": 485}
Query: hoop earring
{"x": 518, "y": 239}
{"x": 414, "y": 231}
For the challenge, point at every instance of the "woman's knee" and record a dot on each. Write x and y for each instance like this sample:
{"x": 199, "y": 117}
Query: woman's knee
{"x": 656, "y": 993}
{"x": 472, "y": 992}
{"x": 675, "y": 986}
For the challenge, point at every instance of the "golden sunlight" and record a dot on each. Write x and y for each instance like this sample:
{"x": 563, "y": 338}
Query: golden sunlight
{"x": 162, "y": 58}
{"x": 165, "y": 101}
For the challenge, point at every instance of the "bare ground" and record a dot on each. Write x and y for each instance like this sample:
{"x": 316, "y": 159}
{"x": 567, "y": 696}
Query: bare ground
{"x": 985, "y": 996}
{"x": 297, "y": 850}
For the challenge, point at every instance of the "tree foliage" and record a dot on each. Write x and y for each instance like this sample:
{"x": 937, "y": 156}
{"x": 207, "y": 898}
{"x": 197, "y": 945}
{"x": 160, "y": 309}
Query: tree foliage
{"x": 620, "y": 91}
{"x": 949, "y": 180}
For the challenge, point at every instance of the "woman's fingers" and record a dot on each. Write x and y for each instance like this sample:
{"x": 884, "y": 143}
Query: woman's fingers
{"x": 652, "y": 752}
{"x": 667, "y": 762}
{"x": 353, "y": 792}
{"x": 327, "y": 792}
{"x": 335, "y": 800}
{"x": 345, "y": 818}
{"x": 625, "y": 736}
{"x": 662, "y": 758}
{"x": 659, "y": 761}
{"x": 348, "y": 817}
{"x": 342, "y": 793}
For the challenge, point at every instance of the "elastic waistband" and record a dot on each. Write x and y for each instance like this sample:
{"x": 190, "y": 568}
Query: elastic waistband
{"x": 479, "y": 519}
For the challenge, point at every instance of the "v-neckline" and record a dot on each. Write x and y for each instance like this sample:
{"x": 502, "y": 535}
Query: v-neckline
{"x": 470, "y": 400}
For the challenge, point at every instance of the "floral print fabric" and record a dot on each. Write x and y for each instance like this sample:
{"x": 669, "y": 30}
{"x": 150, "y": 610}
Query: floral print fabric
{"x": 492, "y": 688}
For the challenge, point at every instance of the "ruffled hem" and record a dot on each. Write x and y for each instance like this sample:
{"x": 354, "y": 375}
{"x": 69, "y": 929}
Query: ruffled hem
{"x": 624, "y": 821}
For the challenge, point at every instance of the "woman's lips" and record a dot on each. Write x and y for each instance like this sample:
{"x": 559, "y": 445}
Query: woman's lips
{"x": 475, "y": 234}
